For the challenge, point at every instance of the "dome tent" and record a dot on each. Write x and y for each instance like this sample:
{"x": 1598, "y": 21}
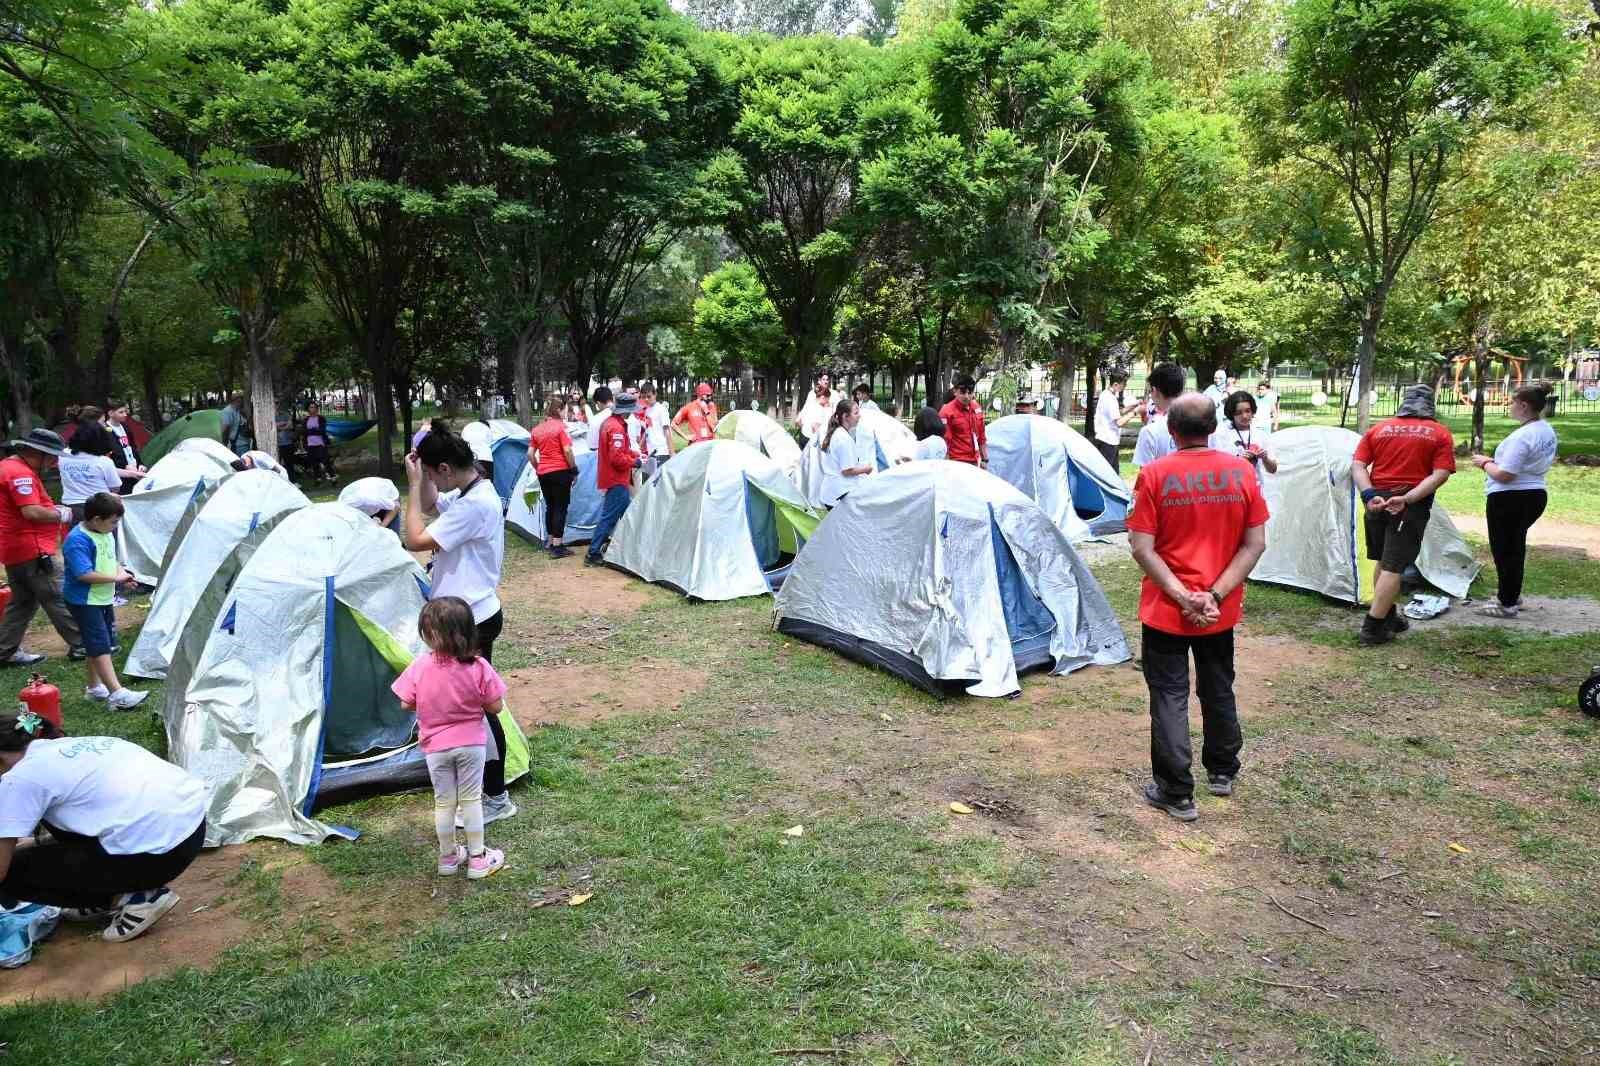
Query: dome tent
{"x": 280, "y": 700}
{"x": 1316, "y": 538}
{"x": 954, "y": 579}
{"x": 718, "y": 522}
{"x": 1059, "y": 469}
{"x": 525, "y": 515}
{"x": 889, "y": 439}
{"x": 204, "y": 556}
{"x": 506, "y": 445}
{"x": 205, "y": 424}
{"x": 765, "y": 436}
{"x": 155, "y": 507}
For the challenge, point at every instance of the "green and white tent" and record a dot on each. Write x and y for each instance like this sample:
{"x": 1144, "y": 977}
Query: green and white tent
{"x": 718, "y": 522}
{"x": 198, "y": 424}
{"x": 157, "y": 504}
{"x": 217, "y": 535}
{"x": 764, "y": 435}
{"x": 280, "y": 700}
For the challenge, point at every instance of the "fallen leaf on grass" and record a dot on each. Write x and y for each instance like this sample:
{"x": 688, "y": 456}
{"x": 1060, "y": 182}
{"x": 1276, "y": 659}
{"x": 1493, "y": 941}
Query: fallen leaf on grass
{"x": 1432, "y": 914}
{"x": 795, "y": 831}
{"x": 1460, "y": 849}
{"x": 960, "y": 808}
{"x": 885, "y": 717}
{"x": 580, "y": 899}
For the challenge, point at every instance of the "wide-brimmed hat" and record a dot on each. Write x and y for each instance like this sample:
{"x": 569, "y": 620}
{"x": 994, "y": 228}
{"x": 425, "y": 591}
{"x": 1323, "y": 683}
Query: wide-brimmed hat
{"x": 42, "y": 440}
{"x": 625, "y": 404}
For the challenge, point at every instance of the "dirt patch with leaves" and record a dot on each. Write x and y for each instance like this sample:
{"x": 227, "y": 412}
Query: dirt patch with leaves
{"x": 1288, "y": 917}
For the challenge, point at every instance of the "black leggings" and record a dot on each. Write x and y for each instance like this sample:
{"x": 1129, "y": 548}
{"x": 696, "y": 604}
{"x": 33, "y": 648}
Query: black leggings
{"x": 75, "y": 871}
{"x": 557, "y": 489}
{"x": 1510, "y": 515}
{"x": 494, "y": 770}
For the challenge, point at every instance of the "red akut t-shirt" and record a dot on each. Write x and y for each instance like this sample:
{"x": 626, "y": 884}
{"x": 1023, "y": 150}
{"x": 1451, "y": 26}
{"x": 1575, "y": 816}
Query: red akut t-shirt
{"x": 702, "y": 421}
{"x": 1197, "y": 503}
{"x": 1404, "y": 451}
{"x": 548, "y": 441}
{"x": 22, "y": 541}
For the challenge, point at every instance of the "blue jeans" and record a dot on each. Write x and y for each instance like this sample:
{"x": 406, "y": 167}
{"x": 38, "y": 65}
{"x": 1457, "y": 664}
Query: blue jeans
{"x": 612, "y": 509}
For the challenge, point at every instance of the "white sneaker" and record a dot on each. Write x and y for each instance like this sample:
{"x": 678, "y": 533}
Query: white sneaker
{"x": 140, "y": 911}
{"x": 23, "y": 658}
{"x": 125, "y": 699}
{"x": 97, "y": 692}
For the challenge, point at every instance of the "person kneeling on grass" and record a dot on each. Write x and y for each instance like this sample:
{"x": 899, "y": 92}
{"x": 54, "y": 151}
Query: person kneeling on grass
{"x": 92, "y": 574}
{"x": 123, "y": 825}
{"x": 452, "y": 688}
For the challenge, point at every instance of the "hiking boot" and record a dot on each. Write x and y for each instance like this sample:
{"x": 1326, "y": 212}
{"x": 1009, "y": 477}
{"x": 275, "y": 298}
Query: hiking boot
{"x": 486, "y": 862}
{"x": 1219, "y": 784}
{"x": 1374, "y": 631}
{"x": 22, "y": 658}
{"x": 138, "y": 912}
{"x": 125, "y": 699}
{"x": 1397, "y": 621}
{"x": 1183, "y": 810}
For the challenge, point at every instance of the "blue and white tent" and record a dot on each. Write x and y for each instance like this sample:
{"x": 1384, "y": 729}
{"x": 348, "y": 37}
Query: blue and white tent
{"x": 526, "y": 514}
{"x": 1059, "y": 469}
{"x": 504, "y": 446}
{"x": 944, "y": 575}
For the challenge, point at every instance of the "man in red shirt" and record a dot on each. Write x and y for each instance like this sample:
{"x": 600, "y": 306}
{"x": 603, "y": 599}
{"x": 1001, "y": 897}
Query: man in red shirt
{"x": 701, "y": 415}
{"x": 1197, "y": 527}
{"x": 31, "y": 525}
{"x": 613, "y": 474}
{"x": 1397, "y": 467}
{"x": 964, "y": 436}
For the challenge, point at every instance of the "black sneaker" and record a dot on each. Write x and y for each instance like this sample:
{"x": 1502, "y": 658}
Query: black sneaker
{"x": 1183, "y": 810}
{"x": 1397, "y": 621}
{"x": 1219, "y": 784}
{"x": 591, "y": 560}
{"x": 1374, "y": 632}
{"x": 561, "y": 551}
{"x": 77, "y": 653}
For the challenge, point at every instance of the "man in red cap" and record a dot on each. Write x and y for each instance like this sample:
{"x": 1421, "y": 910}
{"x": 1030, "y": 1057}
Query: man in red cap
{"x": 701, "y": 415}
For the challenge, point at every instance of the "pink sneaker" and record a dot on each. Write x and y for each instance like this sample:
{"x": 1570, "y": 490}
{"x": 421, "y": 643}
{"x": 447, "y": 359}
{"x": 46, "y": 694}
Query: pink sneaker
{"x": 482, "y": 865}
{"x": 451, "y": 864}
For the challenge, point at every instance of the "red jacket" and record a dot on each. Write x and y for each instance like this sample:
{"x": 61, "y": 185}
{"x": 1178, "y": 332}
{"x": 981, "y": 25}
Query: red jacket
{"x": 617, "y": 457}
{"x": 961, "y": 424}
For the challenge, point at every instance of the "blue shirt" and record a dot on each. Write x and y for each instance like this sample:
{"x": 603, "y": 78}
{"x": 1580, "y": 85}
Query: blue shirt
{"x": 87, "y": 552}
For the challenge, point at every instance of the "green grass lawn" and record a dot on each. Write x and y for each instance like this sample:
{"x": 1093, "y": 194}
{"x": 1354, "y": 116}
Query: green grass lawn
{"x": 1078, "y": 928}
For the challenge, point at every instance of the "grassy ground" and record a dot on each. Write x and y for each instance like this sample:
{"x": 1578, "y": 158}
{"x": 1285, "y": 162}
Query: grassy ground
{"x": 1321, "y": 916}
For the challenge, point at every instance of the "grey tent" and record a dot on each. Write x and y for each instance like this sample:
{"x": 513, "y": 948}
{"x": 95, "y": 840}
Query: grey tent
{"x": 1055, "y": 465}
{"x": 944, "y": 575}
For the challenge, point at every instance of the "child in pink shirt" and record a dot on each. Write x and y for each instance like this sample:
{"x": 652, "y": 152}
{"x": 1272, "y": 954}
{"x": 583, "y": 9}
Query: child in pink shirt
{"x": 451, "y": 689}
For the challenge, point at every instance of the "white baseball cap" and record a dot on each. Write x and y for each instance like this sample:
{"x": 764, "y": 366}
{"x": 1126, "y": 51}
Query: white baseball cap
{"x": 371, "y": 495}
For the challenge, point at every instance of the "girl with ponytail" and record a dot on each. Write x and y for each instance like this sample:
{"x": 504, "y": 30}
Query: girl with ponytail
{"x": 839, "y": 460}
{"x": 1515, "y": 486}
{"x": 469, "y": 539}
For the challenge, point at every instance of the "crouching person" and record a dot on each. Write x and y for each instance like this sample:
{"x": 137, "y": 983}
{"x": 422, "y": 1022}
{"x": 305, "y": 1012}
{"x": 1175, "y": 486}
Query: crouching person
{"x": 123, "y": 825}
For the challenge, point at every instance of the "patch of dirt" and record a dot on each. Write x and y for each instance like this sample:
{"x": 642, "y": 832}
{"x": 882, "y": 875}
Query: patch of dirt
{"x": 580, "y": 591}
{"x": 42, "y": 638}
{"x": 209, "y": 919}
{"x": 1569, "y": 616}
{"x": 1546, "y": 533}
{"x": 575, "y": 695}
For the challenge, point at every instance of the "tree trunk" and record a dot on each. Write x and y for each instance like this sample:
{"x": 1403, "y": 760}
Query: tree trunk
{"x": 150, "y": 382}
{"x": 15, "y": 362}
{"x": 747, "y": 384}
{"x": 1091, "y": 366}
{"x": 522, "y": 384}
{"x": 263, "y": 389}
{"x": 1481, "y": 335}
{"x": 376, "y": 351}
{"x": 1371, "y": 318}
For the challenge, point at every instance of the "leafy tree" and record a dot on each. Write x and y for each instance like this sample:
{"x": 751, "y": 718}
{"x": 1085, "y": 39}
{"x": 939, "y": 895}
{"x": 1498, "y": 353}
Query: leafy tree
{"x": 1378, "y": 153}
{"x": 736, "y": 322}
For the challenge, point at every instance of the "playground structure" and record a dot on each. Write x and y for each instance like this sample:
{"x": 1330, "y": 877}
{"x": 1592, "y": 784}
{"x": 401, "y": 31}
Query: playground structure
{"x": 1498, "y": 390}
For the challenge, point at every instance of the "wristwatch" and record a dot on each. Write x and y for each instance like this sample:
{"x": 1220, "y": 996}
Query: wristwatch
{"x": 1216, "y": 597}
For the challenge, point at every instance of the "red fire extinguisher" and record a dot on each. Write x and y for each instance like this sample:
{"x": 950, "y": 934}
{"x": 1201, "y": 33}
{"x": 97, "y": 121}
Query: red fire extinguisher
{"x": 43, "y": 699}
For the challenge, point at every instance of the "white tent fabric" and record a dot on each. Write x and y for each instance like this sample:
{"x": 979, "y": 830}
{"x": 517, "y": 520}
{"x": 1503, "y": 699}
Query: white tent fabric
{"x": 152, "y": 511}
{"x": 248, "y": 716}
{"x": 885, "y": 439}
{"x": 242, "y": 506}
{"x": 952, "y": 570}
{"x": 1315, "y": 538}
{"x": 765, "y": 436}
{"x": 1041, "y": 457}
{"x": 690, "y": 525}
{"x": 205, "y": 445}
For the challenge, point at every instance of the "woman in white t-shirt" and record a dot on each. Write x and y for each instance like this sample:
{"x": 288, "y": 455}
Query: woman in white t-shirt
{"x": 929, "y": 430}
{"x": 1516, "y": 493}
{"x": 1238, "y": 435}
{"x": 88, "y": 467}
{"x": 839, "y": 461}
{"x": 123, "y": 825}
{"x": 469, "y": 539}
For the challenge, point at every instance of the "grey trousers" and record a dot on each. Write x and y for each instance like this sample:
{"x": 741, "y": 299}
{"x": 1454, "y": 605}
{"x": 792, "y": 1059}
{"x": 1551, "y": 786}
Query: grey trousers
{"x": 35, "y": 584}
